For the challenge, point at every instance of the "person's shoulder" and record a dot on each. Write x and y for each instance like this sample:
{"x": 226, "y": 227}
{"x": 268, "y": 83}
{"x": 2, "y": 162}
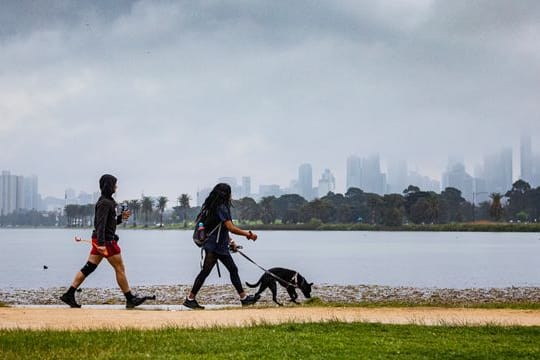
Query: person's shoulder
{"x": 103, "y": 201}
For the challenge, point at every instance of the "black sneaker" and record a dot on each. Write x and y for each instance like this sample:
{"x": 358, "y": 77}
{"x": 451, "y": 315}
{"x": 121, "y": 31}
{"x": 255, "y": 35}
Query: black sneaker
{"x": 135, "y": 301}
{"x": 250, "y": 300}
{"x": 192, "y": 304}
{"x": 70, "y": 300}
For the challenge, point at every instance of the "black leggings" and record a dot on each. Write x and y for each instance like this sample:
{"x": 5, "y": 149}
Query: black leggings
{"x": 210, "y": 259}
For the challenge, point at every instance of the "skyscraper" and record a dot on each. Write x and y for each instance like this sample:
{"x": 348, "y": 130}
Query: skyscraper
{"x": 305, "y": 181}
{"x": 455, "y": 176}
{"x": 397, "y": 176}
{"x": 373, "y": 180}
{"x": 526, "y": 158}
{"x": 246, "y": 186}
{"x": 11, "y": 193}
{"x": 327, "y": 183}
{"x": 354, "y": 172}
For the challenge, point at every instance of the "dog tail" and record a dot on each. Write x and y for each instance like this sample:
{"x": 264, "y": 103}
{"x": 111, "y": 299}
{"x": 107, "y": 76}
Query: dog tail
{"x": 253, "y": 285}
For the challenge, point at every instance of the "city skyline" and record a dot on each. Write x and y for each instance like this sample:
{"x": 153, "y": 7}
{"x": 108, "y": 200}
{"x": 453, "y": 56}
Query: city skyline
{"x": 495, "y": 174}
{"x": 169, "y": 96}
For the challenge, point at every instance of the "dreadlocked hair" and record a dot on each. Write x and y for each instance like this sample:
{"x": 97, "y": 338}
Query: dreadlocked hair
{"x": 220, "y": 195}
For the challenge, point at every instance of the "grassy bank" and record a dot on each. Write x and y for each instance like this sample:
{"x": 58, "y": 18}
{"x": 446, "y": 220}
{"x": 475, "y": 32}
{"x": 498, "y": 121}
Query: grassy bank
{"x": 296, "y": 341}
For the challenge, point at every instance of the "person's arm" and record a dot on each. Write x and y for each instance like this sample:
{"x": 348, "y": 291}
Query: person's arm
{"x": 237, "y": 231}
{"x": 102, "y": 212}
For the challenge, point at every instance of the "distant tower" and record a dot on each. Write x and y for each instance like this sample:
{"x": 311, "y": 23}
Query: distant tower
{"x": 354, "y": 172}
{"x": 246, "y": 186}
{"x": 526, "y": 158}
{"x": 305, "y": 181}
{"x": 327, "y": 183}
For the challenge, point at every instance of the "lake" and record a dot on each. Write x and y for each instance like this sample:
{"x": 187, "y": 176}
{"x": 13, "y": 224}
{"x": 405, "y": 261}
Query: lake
{"x": 153, "y": 257}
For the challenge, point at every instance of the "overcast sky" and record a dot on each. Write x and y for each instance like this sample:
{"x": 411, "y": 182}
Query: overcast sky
{"x": 170, "y": 95}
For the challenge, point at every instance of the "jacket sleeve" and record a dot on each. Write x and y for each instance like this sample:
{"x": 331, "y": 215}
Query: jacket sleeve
{"x": 119, "y": 219}
{"x": 102, "y": 211}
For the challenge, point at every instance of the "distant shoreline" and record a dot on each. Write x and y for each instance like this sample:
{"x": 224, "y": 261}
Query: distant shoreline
{"x": 456, "y": 227}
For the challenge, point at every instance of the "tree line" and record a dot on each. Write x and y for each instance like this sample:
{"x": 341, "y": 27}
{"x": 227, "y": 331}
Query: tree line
{"x": 413, "y": 206}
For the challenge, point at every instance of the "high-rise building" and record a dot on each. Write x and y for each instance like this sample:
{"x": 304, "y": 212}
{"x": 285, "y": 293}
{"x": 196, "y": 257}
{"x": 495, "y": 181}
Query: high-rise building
{"x": 354, "y": 172}
{"x": 327, "y": 183}
{"x": 11, "y": 193}
{"x": 456, "y": 177}
{"x": 373, "y": 181}
{"x": 526, "y": 158}
{"x": 269, "y": 190}
{"x": 305, "y": 181}
{"x": 397, "y": 176}
{"x": 32, "y": 199}
{"x": 246, "y": 186}
{"x": 497, "y": 172}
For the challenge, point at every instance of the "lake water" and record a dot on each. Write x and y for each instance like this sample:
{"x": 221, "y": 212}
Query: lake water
{"x": 153, "y": 257}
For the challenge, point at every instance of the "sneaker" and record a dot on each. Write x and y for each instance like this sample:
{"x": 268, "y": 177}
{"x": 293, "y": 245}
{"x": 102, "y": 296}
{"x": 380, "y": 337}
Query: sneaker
{"x": 192, "y": 304}
{"x": 70, "y": 300}
{"x": 250, "y": 300}
{"x": 135, "y": 301}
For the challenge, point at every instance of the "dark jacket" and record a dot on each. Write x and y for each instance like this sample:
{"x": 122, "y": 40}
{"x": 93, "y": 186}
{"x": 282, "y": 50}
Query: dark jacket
{"x": 105, "y": 220}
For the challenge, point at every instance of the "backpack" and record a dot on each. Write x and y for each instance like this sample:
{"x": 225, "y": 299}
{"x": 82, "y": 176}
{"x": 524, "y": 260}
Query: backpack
{"x": 200, "y": 235}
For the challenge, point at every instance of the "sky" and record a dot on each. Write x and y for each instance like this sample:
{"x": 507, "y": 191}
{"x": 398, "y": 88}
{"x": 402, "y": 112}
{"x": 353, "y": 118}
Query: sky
{"x": 170, "y": 95}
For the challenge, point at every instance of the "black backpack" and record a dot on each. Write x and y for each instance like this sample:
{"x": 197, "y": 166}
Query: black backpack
{"x": 200, "y": 235}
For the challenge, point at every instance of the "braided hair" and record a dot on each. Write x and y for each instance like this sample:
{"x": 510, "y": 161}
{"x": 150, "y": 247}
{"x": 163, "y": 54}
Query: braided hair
{"x": 220, "y": 195}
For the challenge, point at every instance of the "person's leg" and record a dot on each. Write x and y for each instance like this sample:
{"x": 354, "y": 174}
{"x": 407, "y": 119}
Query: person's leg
{"x": 228, "y": 261}
{"x": 245, "y": 299}
{"x": 88, "y": 268}
{"x": 91, "y": 264}
{"x": 210, "y": 260}
{"x": 118, "y": 265}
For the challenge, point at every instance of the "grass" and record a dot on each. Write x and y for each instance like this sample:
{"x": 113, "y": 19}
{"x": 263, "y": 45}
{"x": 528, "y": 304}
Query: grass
{"x": 517, "y": 305}
{"x": 331, "y": 340}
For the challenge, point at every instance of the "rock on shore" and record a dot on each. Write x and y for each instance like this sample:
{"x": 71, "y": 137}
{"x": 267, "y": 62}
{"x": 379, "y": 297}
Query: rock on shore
{"x": 225, "y": 294}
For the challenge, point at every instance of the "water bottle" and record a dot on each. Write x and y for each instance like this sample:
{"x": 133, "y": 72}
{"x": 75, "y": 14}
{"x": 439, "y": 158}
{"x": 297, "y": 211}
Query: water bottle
{"x": 200, "y": 231}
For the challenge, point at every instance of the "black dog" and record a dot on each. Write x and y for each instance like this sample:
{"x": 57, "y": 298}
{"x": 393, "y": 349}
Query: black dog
{"x": 287, "y": 278}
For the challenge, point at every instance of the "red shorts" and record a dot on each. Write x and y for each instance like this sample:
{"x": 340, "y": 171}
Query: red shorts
{"x": 111, "y": 246}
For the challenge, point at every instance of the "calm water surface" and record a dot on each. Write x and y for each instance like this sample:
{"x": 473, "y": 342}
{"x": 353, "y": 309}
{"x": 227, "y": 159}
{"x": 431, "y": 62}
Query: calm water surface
{"x": 153, "y": 257}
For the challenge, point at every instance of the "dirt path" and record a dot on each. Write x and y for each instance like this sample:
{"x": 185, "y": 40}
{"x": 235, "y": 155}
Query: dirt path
{"x": 62, "y": 318}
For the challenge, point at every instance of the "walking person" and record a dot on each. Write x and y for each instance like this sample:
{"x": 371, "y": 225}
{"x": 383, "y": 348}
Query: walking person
{"x": 105, "y": 245}
{"x": 218, "y": 243}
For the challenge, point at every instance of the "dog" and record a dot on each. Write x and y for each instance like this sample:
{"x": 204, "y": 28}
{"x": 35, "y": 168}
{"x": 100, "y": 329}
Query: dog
{"x": 287, "y": 278}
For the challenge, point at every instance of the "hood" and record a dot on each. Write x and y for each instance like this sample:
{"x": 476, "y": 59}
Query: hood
{"x": 106, "y": 184}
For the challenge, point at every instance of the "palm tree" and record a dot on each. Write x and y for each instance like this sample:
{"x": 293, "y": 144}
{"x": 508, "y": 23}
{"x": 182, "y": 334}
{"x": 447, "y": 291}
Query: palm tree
{"x": 161, "y": 203}
{"x": 184, "y": 205}
{"x": 135, "y": 206}
{"x": 495, "y": 209}
{"x": 147, "y": 205}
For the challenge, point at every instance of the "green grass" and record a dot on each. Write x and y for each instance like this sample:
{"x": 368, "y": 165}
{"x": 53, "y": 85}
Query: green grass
{"x": 517, "y": 305}
{"x": 292, "y": 341}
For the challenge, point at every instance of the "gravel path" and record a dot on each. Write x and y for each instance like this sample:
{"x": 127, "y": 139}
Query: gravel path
{"x": 225, "y": 294}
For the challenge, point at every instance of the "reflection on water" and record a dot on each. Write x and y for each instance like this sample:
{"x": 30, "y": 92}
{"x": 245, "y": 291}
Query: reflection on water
{"x": 422, "y": 259}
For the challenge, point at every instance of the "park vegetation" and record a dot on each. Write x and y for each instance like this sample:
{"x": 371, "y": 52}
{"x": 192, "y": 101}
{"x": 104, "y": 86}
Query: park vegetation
{"x": 413, "y": 209}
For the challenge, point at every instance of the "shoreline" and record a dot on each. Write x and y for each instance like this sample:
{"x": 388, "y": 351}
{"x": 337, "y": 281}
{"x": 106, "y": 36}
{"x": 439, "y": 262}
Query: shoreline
{"x": 324, "y": 293}
{"x": 459, "y": 227}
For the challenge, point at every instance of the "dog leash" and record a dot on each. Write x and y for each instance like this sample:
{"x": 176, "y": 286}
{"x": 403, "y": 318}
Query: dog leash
{"x": 295, "y": 277}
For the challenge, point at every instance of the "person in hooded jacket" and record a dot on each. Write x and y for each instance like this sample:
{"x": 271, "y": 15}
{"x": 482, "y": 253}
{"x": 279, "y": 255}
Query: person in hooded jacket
{"x": 105, "y": 245}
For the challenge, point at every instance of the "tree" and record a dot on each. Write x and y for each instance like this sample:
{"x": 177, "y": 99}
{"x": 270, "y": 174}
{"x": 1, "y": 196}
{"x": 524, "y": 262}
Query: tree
{"x": 247, "y": 209}
{"x": 268, "y": 215}
{"x": 496, "y": 209}
{"x": 286, "y": 203}
{"x": 517, "y": 198}
{"x": 451, "y": 207}
{"x": 147, "y": 206}
{"x": 161, "y": 204}
{"x": 134, "y": 206}
{"x": 184, "y": 205}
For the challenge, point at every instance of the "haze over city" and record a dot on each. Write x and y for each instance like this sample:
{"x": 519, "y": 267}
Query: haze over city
{"x": 170, "y": 96}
